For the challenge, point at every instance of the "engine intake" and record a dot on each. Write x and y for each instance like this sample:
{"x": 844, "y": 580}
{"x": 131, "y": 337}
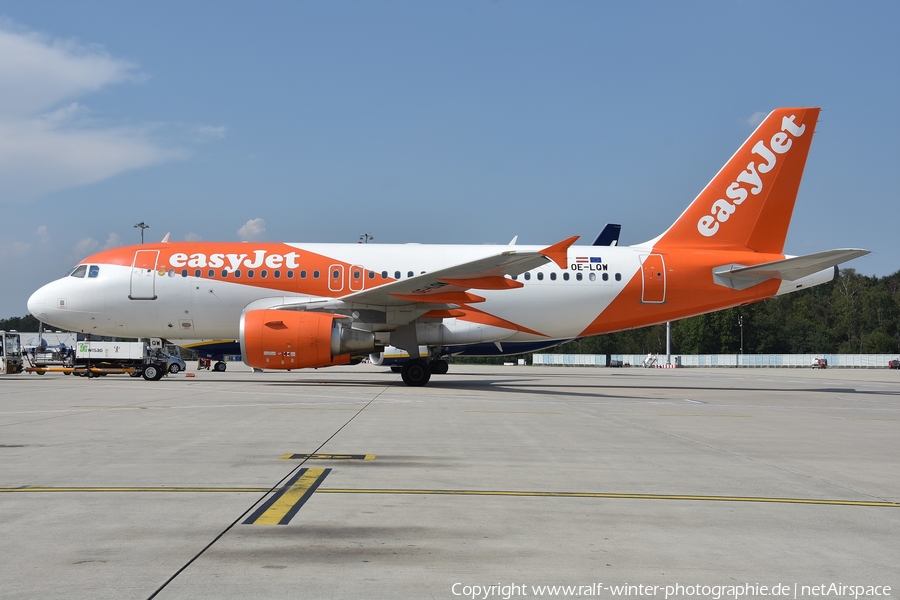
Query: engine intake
{"x": 285, "y": 339}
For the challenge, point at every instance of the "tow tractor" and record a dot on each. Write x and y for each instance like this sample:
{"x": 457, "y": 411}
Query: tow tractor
{"x": 10, "y": 353}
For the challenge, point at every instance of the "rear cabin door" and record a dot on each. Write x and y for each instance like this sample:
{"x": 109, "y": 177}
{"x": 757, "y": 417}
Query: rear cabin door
{"x": 654, "y": 279}
{"x": 143, "y": 275}
{"x": 357, "y": 278}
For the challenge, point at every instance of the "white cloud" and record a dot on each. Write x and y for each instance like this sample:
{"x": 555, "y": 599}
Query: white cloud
{"x": 252, "y": 230}
{"x": 13, "y": 250}
{"x": 113, "y": 241}
{"x": 46, "y": 147}
{"x": 85, "y": 248}
{"x": 40, "y": 242}
{"x": 204, "y": 133}
{"x": 756, "y": 118}
{"x": 43, "y": 235}
{"x": 192, "y": 237}
{"x": 37, "y": 72}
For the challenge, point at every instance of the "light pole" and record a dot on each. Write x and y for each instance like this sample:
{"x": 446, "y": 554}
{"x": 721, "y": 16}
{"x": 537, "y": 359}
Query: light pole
{"x": 741, "y": 323}
{"x": 142, "y": 226}
{"x": 364, "y": 238}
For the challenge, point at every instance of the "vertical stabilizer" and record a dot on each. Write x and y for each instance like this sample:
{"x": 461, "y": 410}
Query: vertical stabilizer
{"x": 748, "y": 204}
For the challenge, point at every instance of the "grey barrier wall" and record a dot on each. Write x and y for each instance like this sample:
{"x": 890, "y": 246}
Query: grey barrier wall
{"x": 859, "y": 361}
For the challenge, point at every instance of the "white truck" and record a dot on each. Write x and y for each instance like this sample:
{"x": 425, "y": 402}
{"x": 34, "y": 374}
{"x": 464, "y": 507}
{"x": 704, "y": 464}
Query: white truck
{"x": 135, "y": 358}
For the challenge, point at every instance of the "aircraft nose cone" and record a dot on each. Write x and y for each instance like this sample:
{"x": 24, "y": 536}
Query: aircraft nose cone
{"x": 37, "y": 304}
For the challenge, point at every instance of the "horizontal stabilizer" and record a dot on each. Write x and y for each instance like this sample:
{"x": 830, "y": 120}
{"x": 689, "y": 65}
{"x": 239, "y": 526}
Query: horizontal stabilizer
{"x": 790, "y": 269}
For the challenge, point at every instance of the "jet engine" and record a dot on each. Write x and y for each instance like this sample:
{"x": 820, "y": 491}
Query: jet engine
{"x": 286, "y": 339}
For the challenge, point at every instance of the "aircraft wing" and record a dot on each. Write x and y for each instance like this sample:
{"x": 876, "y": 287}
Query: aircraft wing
{"x": 451, "y": 285}
{"x": 789, "y": 269}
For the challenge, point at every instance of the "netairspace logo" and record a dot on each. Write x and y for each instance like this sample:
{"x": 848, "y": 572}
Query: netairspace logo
{"x": 678, "y": 590}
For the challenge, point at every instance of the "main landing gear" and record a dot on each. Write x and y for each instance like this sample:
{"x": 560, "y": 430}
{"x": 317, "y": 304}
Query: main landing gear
{"x": 417, "y": 372}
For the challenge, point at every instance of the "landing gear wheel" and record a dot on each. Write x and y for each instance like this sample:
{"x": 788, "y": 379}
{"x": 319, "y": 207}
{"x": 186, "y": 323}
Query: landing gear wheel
{"x": 415, "y": 372}
{"x": 174, "y": 368}
{"x": 219, "y": 366}
{"x": 41, "y": 372}
{"x": 153, "y": 373}
{"x": 439, "y": 366}
{"x": 396, "y": 369}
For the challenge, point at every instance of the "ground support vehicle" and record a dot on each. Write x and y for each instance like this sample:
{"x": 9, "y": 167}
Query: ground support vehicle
{"x": 10, "y": 353}
{"x": 107, "y": 358}
{"x": 820, "y": 363}
{"x": 59, "y": 356}
{"x": 894, "y": 364}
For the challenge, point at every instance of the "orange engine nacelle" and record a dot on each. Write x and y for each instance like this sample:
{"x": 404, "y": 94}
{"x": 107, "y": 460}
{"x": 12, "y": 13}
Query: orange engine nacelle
{"x": 286, "y": 339}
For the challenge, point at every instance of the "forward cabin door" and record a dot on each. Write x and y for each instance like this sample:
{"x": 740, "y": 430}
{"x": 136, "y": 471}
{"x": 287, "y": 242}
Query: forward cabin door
{"x": 653, "y": 268}
{"x": 143, "y": 275}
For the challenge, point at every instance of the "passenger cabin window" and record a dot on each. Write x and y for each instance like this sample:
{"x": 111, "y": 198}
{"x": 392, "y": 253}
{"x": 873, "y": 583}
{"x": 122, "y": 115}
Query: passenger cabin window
{"x": 527, "y": 278}
{"x": 410, "y": 274}
{"x": 290, "y": 274}
{"x": 606, "y": 277}
{"x": 250, "y": 273}
{"x": 315, "y": 274}
{"x": 566, "y": 276}
{"x": 302, "y": 274}
{"x": 277, "y": 274}
{"x": 79, "y": 271}
{"x": 578, "y": 276}
{"x": 384, "y": 275}
{"x": 552, "y": 276}
{"x": 93, "y": 271}
{"x": 184, "y": 272}
{"x": 263, "y": 274}
{"x": 210, "y": 273}
{"x": 540, "y": 276}
{"x": 396, "y": 274}
{"x": 198, "y": 273}
{"x": 371, "y": 274}
{"x": 618, "y": 277}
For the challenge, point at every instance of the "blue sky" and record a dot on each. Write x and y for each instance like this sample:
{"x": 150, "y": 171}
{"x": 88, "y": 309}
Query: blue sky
{"x": 454, "y": 122}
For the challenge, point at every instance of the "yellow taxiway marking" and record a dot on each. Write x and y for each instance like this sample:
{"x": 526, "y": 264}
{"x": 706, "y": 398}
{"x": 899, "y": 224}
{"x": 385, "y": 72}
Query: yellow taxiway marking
{"x": 135, "y": 489}
{"x": 307, "y": 481}
{"x": 327, "y": 456}
{"x": 515, "y": 412}
{"x": 281, "y": 508}
{"x": 603, "y": 495}
{"x": 722, "y": 416}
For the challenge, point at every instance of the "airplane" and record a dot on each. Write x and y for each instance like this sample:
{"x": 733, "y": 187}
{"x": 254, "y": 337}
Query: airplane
{"x": 288, "y": 306}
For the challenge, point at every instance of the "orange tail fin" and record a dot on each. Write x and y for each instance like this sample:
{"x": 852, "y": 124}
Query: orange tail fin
{"x": 748, "y": 204}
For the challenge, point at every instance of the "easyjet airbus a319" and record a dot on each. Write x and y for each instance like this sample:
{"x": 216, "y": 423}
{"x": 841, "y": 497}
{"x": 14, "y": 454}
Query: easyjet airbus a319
{"x": 293, "y": 306}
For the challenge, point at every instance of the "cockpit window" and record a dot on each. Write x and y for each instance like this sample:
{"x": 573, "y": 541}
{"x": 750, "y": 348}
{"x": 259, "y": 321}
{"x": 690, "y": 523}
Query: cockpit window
{"x": 93, "y": 271}
{"x": 79, "y": 271}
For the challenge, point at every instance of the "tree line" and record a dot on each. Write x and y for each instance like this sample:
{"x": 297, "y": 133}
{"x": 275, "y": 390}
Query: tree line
{"x": 854, "y": 314}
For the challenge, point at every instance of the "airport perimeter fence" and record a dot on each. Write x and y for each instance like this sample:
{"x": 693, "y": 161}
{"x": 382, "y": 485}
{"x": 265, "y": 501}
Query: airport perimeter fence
{"x": 852, "y": 361}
